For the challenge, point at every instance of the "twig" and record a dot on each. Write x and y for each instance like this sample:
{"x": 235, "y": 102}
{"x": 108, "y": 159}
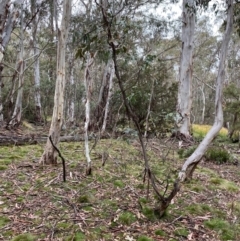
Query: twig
{"x": 63, "y": 160}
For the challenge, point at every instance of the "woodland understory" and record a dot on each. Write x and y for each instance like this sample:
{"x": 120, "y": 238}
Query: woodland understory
{"x": 114, "y": 203}
{"x": 112, "y": 116}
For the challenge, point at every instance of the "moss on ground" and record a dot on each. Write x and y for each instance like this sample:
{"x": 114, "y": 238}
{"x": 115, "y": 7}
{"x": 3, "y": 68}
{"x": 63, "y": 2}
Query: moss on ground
{"x": 114, "y": 199}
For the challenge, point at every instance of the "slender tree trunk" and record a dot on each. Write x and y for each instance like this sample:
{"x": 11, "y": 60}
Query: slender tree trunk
{"x": 186, "y": 68}
{"x": 71, "y": 108}
{"x": 88, "y": 90}
{"x": 37, "y": 95}
{"x": 191, "y": 163}
{"x": 17, "y": 113}
{"x": 149, "y": 109}
{"x": 110, "y": 90}
{"x": 50, "y": 155}
{"x": 8, "y": 18}
{"x": 204, "y": 104}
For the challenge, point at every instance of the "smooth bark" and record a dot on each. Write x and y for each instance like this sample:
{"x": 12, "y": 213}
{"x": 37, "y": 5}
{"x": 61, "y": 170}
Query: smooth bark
{"x": 109, "y": 95}
{"x": 186, "y": 68}
{"x": 191, "y": 163}
{"x": 50, "y": 155}
{"x": 88, "y": 91}
{"x": 8, "y": 18}
{"x": 17, "y": 113}
{"x": 71, "y": 108}
{"x": 37, "y": 95}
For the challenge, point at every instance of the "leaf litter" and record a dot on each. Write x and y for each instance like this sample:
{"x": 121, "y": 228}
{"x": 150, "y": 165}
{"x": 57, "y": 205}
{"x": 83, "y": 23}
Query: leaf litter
{"x": 112, "y": 204}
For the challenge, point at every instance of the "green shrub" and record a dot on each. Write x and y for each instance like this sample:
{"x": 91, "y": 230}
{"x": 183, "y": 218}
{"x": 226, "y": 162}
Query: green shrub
{"x": 217, "y": 155}
{"x": 186, "y": 153}
{"x": 180, "y": 152}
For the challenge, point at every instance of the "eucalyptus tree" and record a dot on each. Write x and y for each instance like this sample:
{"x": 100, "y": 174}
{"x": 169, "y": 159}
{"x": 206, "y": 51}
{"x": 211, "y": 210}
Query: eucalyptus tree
{"x": 186, "y": 68}
{"x": 17, "y": 112}
{"x": 37, "y": 95}
{"x": 50, "y": 155}
{"x": 9, "y": 11}
{"x": 205, "y": 57}
{"x": 191, "y": 162}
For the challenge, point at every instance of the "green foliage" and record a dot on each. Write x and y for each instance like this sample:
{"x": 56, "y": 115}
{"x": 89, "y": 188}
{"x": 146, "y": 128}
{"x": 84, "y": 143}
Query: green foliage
{"x": 127, "y": 218}
{"x": 160, "y": 232}
{"x": 24, "y": 237}
{"x": 198, "y": 209}
{"x": 83, "y": 199}
{"x": 181, "y": 232}
{"x": 144, "y": 238}
{"x": 217, "y": 155}
{"x": 232, "y": 110}
{"x": 214, "y": 154}
{"x": 224, "y": 184}
{"x": 119, "y": 183}
{"x": 3, "y": 221}
{"x": 79, "y": 236}
{"x": 185, "y": 153}
{"x": 3, "y": 167}
{"x": 149, "y": 213}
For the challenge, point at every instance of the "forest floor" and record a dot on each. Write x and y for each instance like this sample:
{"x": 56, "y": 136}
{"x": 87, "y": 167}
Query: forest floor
{"x": 113, "y": 204}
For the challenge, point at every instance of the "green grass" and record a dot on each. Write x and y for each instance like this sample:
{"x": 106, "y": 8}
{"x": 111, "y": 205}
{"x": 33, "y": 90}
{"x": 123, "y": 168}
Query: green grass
{"x": 24, "y": 237}
{"x": 127, "y": 218}
{"x": 114, "y": 199}
{"x": 223, "y": 228}
{"x": 200, "y": 131}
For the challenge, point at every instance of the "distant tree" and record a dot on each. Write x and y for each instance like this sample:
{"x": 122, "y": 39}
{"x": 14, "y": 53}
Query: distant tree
{"x": 8, "y": 17}
{"x": 17, "y": 112}
{"x": 37, "y": 95}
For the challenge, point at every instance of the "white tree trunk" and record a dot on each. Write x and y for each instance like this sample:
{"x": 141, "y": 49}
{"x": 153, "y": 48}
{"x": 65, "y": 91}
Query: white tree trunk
{"x": 204, "y": 104}
{"x": 190, "y": 164}
{"x": 71, "y": 109}
{"x": 88, "y": 90}
{"x": 8, "y": 18}
{"x": 17, "y": 113}
{"x": 50, "y": 155}
{"x": 111, "y": 72}
{"x": 186, "y": 67}
{"x": 149, "y": 109}
{"x": 37, "y": 95}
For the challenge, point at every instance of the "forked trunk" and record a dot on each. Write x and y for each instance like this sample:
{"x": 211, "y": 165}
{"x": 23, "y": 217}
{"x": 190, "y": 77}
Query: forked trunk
{"x": 50, "y": 155}
{"x": 191, "y": 163}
